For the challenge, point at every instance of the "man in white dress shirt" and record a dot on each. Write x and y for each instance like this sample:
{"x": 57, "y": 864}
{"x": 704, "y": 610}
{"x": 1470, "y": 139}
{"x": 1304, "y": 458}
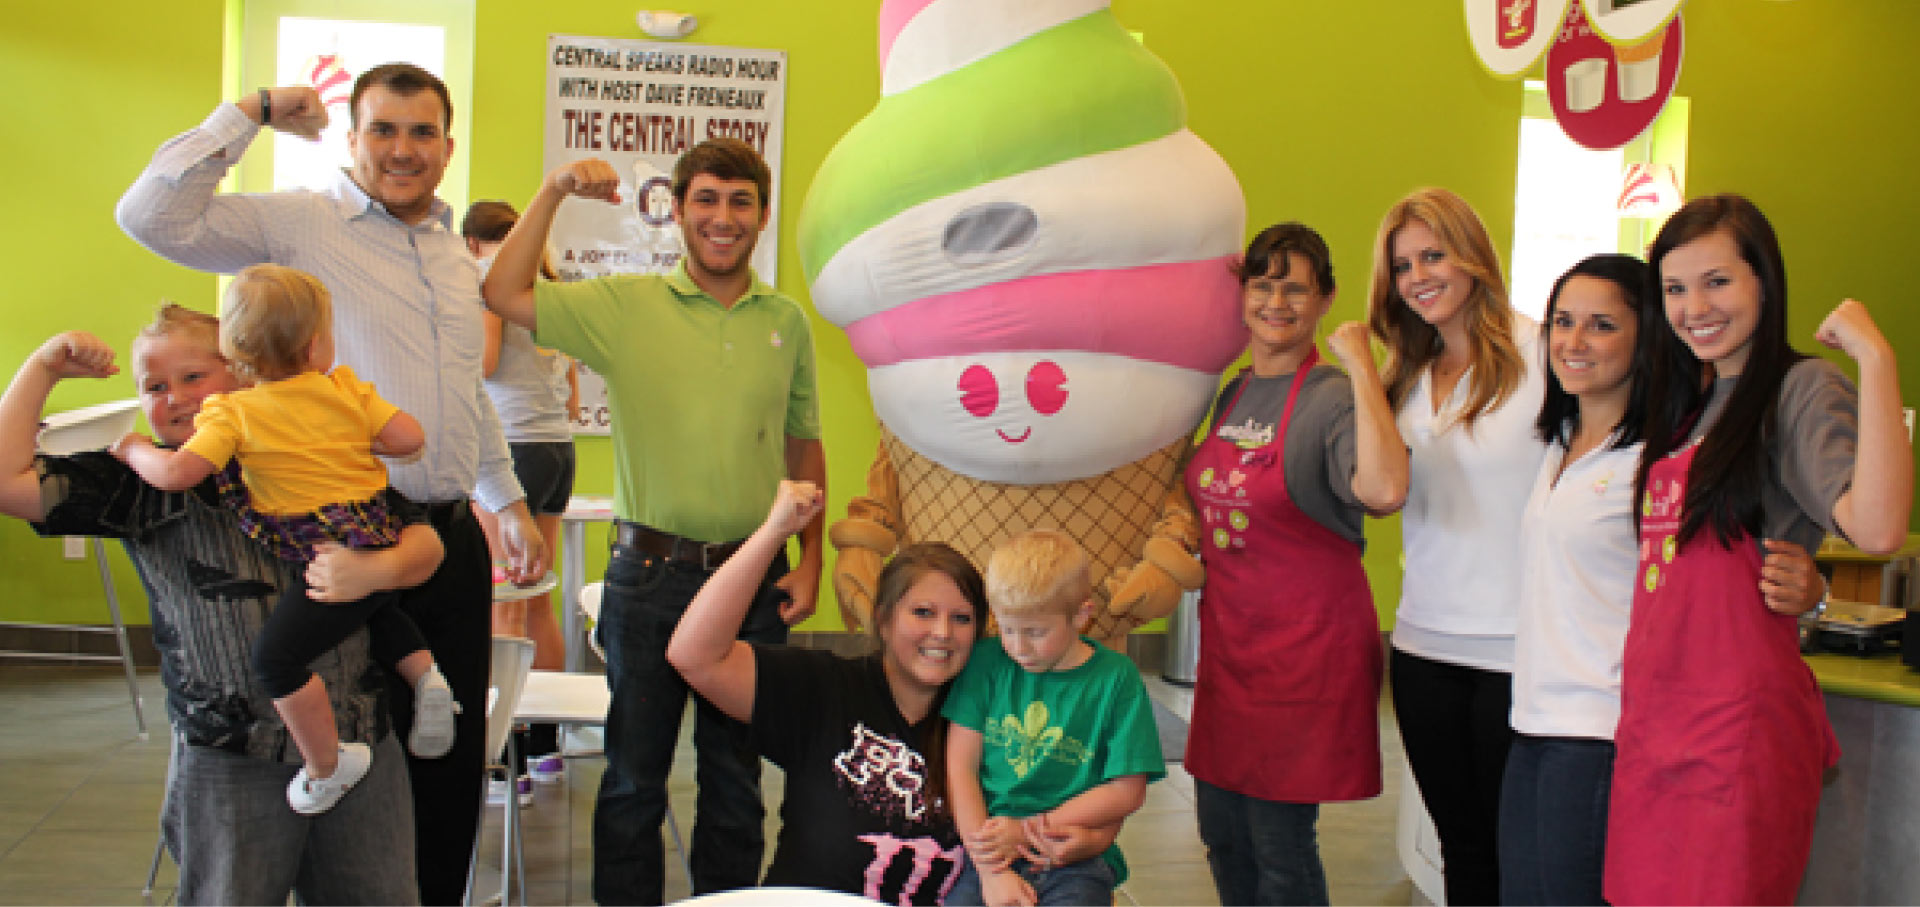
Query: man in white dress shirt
{"x": 406, "y": 297}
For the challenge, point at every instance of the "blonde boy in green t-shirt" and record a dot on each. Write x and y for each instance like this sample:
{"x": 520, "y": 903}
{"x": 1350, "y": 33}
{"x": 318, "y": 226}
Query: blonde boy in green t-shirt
{"x": 1050, "y": 730}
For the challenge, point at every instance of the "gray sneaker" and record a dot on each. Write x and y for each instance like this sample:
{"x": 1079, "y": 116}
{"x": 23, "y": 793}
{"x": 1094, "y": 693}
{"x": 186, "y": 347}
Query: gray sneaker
{"x": 433, "y": 711}
{"x": 311, "y": 796}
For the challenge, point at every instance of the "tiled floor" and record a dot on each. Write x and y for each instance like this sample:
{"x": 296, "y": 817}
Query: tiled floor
{"x": 80, "y": 793}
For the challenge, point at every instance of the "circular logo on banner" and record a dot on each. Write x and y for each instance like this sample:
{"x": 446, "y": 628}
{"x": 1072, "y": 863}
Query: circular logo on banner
{"x": 653, "y": 199}
{"x": 1604, "y": 94}
{"x": 1510, "y": 35}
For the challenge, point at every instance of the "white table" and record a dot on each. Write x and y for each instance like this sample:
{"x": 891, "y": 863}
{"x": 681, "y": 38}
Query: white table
{"x": 578, "y": 700}
{"x": 560, "y": 697}
{"x": 583, "y": 509}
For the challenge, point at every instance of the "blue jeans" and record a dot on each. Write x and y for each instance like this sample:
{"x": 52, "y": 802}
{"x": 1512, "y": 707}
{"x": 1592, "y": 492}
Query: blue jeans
{"x": 1553, "y": 820}
{"x": 644, "y": 599}
{"x": 1089, "y": 881}
{"x": 1260, "y": 851}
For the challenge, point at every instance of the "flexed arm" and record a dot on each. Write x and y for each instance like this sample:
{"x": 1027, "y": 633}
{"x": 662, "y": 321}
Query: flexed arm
{"x": 705, "y": 648}
{"x": 75, "y": 354}
{"x": 297, "y": 110}
{"x": 174, "y": 207}
{"x": 509, "y": 285}
{"x": 1381, "y": 468}
{"x": 1873, "y": 510}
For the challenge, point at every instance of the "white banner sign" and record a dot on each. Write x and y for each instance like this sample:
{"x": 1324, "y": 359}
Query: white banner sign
{"x": 639, "y": 105}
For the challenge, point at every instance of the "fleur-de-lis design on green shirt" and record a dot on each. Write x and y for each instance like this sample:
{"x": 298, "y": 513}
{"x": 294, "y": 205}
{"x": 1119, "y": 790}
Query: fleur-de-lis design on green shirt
{"x": 1029, "y": 740}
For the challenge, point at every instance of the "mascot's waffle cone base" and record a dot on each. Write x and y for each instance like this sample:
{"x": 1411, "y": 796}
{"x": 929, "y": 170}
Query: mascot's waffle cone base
{"x": 1110, "y": 514}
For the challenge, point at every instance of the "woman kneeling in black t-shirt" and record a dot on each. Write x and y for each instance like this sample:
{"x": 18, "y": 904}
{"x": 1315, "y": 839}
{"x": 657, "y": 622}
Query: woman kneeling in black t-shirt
{"x": 861, "y": 739}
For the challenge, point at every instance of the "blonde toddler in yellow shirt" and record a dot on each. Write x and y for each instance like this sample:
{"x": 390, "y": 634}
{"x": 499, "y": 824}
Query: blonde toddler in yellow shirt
{"x": 306, "y": 436}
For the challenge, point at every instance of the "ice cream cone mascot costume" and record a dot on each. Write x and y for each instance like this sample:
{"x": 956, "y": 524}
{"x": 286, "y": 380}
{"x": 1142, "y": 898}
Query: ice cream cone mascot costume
{"x": 1030, "y": 252}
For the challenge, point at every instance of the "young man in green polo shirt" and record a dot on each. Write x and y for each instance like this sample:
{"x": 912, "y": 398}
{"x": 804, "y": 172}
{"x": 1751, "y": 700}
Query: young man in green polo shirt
{"x": 710, "y": 376}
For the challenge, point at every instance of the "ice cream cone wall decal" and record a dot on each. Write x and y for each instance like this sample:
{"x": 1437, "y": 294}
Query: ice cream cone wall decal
{"x": 1030, "y": 253}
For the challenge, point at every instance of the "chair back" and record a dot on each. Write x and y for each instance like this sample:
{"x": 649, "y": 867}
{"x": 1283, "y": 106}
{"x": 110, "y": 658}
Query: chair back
{"x": 512, "y": 658}
{"x": 589, "y": 605}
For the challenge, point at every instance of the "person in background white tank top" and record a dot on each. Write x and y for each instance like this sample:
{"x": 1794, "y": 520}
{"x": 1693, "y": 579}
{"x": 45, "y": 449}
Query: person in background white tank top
{"x": 537, "y": 394}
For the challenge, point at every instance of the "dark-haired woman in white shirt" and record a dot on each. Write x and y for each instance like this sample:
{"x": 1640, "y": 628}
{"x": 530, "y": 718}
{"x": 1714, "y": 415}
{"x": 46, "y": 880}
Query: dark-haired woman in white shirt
{"x": 1577, "y": 558}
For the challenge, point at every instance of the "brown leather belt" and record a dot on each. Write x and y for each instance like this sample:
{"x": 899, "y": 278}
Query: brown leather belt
{"x": 707, "y": 556}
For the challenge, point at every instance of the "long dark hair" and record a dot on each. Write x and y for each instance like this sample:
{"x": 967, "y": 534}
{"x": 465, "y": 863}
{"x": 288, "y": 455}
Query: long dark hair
{"x": 1729, "y": 471}
{"x": 906, "y": 568}
{"x": 1559, "y": 410}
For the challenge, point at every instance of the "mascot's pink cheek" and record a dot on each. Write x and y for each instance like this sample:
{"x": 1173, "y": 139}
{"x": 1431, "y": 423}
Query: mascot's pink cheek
{"x": 979, "y": 393}
{"x": 1046, "y": 387}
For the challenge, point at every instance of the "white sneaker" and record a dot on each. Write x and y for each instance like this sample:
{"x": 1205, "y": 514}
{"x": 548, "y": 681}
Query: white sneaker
{"x": 311, "y": 796}
{"x": 433, "y": 711}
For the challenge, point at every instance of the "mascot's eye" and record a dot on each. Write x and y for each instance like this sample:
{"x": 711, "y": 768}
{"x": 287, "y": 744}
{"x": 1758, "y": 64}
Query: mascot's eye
{"x": 979, "y": 393}
{"x": 1046, "y": 387}
{"x": 989, "y": 232}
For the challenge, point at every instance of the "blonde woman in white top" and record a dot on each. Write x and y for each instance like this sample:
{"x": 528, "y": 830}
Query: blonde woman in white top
{"x": 1465, "y": 383}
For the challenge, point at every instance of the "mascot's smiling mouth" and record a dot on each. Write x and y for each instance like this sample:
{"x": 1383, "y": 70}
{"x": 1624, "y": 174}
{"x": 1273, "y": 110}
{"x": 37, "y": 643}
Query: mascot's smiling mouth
{"x": 1011, "y": 440}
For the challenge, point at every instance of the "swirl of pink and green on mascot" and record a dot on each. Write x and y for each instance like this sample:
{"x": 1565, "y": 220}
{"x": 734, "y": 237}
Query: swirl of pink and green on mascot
{"x": 1031, "y": 254}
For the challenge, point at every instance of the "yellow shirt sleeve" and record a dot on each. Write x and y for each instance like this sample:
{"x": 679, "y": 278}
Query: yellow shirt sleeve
{"x": 379, "y": 412}
{"x": 216, "y": 430}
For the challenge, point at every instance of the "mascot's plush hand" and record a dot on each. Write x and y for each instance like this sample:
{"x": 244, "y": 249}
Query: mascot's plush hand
{"x": 864, "y": 546}
{"x": 1153, "y": 586}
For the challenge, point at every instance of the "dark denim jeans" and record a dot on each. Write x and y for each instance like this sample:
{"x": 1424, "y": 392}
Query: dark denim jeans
{"x": 1553, "y": 820}
{"x": 1088, "y": 882}
{"x": 1260, "y": 851}
{"x": 644, "y": 599}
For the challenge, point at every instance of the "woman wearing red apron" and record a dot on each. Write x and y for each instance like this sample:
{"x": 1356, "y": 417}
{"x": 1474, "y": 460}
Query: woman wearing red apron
{"x": 1286, "y": 705}
{"x": 1723, "y": 734}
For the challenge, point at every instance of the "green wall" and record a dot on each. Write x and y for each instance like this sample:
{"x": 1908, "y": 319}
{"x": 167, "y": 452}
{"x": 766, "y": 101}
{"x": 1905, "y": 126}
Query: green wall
{"x": 1328, "y": 112}
{"x": 86, "y": 107}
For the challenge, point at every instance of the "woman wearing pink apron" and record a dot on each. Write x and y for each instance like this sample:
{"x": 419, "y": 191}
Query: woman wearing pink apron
{"x": 1285, "y": 712}
{"x": 1723, "y": 734}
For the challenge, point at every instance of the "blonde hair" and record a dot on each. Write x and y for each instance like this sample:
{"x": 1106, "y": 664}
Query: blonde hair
{"x": 1039, "y": 572}
{"x": 269, "y": 318}
{"x": 175, "y": 319}
{"x": 1411, "y": 342}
